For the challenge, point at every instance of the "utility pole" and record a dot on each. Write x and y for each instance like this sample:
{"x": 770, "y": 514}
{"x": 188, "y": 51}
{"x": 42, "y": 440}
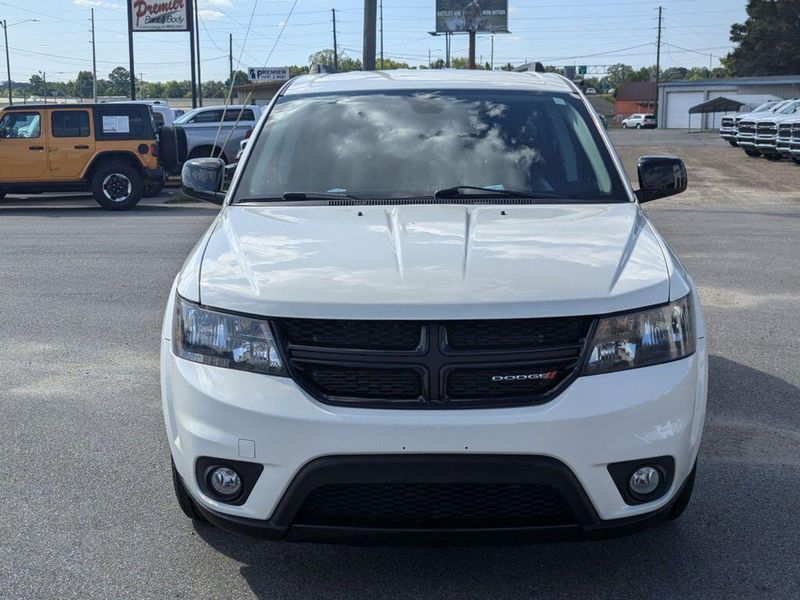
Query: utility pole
{"x": 192, "y": 25}
{"x": 381, "y": 5}
{"x": 429, "y": 58}
{"x": 368, "y": 49}
{"x": 472, "y": 49}
{"x": 197, "y": 35}
{"x": 492, "y": 61}
{"x": 447, "y": 49}
{"x": 335, "y": 47}
{"x": 94, "y": 63}
{"x": 131, "y": 67}
{"x": 230, "y": 54}
{"x": 141, "y": 85}
{"x": 658, "y": 58}
{"x": 44, "y": 79}
{"x": 8, "y": 62}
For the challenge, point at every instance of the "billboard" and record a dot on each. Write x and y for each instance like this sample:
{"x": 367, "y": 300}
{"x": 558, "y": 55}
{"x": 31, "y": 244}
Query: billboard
{"x": 482, "y": 16}
{"x": 159, "y": 15}
{"x": 268, "y": 73}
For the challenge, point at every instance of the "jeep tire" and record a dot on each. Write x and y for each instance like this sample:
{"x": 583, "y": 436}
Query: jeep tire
{"x": 752, "y": 152}
{"x": 117, "y": 186}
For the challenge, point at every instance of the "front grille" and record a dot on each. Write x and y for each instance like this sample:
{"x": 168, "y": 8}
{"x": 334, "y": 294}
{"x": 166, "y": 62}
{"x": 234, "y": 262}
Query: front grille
{"x": 785, "y": 130}
{"x": 747, "y": 127}
{"x": 512, "y": 334}
{"x": 448, "y": 364}
{"x": 353, "y": 334}
{"x": 767, "y": 128}
{"x": 435, "y": 506}
{"x": 474, "y": 384}
{"x": 391, "y": 384}
{"x": 727, "y": 121}
{"x": 795, "y": 130}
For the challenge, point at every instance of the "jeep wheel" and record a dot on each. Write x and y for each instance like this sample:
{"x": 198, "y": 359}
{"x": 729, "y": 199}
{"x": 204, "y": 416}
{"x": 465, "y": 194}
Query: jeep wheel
{"x": 751, "y": 152}
{"x": 117, "y": 186}
{"x": 624, "y": 125}
{"x": 775, "y": 157}
{"x": 638, "y": 126}
{"x": 733, "y": 143}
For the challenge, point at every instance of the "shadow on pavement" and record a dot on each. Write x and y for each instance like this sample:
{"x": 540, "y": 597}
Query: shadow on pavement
{"x": 70, "y": 208}
{"x": 728, "y": 517}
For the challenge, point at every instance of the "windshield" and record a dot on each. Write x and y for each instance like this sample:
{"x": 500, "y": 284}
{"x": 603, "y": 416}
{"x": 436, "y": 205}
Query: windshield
{"x": 766, "y": 106}
{"x": 413, "y": 143}
{"x": 790, "y": 109}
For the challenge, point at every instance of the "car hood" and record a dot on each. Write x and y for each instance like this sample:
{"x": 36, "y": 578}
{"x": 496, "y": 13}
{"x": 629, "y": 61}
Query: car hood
{"x": 433, "y": 261}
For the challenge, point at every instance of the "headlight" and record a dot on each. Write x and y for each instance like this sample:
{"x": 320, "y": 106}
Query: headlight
{"x": 642, "y": 338}
{"x": 223, "y": 340}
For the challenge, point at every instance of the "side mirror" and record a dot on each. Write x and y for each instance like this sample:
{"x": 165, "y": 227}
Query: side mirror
{"x": 202, "y": 179}
{"x": 660, "y": 176}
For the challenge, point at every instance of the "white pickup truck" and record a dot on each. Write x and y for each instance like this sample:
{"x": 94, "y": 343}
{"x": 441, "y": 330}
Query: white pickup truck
{"x": 205, "y": 137}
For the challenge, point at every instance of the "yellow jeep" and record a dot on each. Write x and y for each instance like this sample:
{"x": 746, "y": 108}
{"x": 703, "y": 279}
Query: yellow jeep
{"x": 111, "y": 150}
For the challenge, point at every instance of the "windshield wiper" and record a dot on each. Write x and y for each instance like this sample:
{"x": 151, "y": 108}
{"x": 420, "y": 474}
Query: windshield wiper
{"x": 300, "y": 196}
{"x": 319, "y": 196}
{"x": 456, "y": 191}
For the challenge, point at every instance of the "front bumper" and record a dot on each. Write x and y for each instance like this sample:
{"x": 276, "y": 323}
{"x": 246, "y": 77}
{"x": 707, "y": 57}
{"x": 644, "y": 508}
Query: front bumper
{"x": 766, "y": 144}
{"x": 637, "y": 414}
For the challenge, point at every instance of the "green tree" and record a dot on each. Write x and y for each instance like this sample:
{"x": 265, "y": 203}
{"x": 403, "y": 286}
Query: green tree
{"x": 82, "y": 87}
{"x": 325, "y": 57}
{"x": 768, "y": 42}
{"x": 619, "y": 74}
{"x": 675, "y": 74}
{"x": 120, "y": 80}
{"x": 239, "y": 78}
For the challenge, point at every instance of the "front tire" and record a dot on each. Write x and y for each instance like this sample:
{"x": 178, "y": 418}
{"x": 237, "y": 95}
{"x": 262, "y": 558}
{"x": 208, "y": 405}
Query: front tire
{"x": 624, "y": 125}
{"x": 733, "y": 143}
{"x": 751, "y": 152}
{"x": 117, "y": 186}
{"x": 185, "y": 501}
{"x": 638, "y": 126}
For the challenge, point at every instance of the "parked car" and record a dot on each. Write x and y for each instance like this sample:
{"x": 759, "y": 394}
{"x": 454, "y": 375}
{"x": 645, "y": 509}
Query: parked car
{"x": 640, "y": 121}
{"x": 112, "y": 150}
{"x": 205, "y": 137}
{"x": 591, "y": 91}
{"x": 729, "y": 127}
{"x": 794, "y": 143}
{"x": 758, "y": 134}
{"x": 458, "y": 332}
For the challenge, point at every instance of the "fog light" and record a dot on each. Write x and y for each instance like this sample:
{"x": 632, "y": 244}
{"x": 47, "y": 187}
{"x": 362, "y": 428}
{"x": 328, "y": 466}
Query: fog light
{"x": 644, "y": 480}
{"x": 225, "y": 482}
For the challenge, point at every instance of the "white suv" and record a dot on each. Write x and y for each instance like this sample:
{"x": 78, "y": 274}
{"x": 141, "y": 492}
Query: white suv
{"x": 640, "y": 121}
{"x": 431, "y": 307}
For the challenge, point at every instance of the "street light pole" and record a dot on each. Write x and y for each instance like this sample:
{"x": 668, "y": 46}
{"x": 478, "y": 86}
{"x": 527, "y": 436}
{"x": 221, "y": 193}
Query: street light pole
{"x": 8, "y": 63}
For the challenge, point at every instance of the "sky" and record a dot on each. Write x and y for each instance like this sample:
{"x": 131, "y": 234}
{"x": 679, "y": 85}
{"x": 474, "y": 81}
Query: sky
{"x": 580, "y": 32}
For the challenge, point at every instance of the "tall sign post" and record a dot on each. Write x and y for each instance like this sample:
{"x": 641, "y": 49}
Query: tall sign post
{"x": 160, "y": 15}
{"x": 471, "y": 17}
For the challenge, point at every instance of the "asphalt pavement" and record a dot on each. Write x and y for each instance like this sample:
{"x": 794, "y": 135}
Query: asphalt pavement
{"x": 88, "y": 508}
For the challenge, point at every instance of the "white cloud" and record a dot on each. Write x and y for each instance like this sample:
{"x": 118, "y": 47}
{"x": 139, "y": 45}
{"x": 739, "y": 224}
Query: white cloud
{"x": 210, "y": 15}
{"x": 216, "y": 2}
{"x": 99, "y": 4}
